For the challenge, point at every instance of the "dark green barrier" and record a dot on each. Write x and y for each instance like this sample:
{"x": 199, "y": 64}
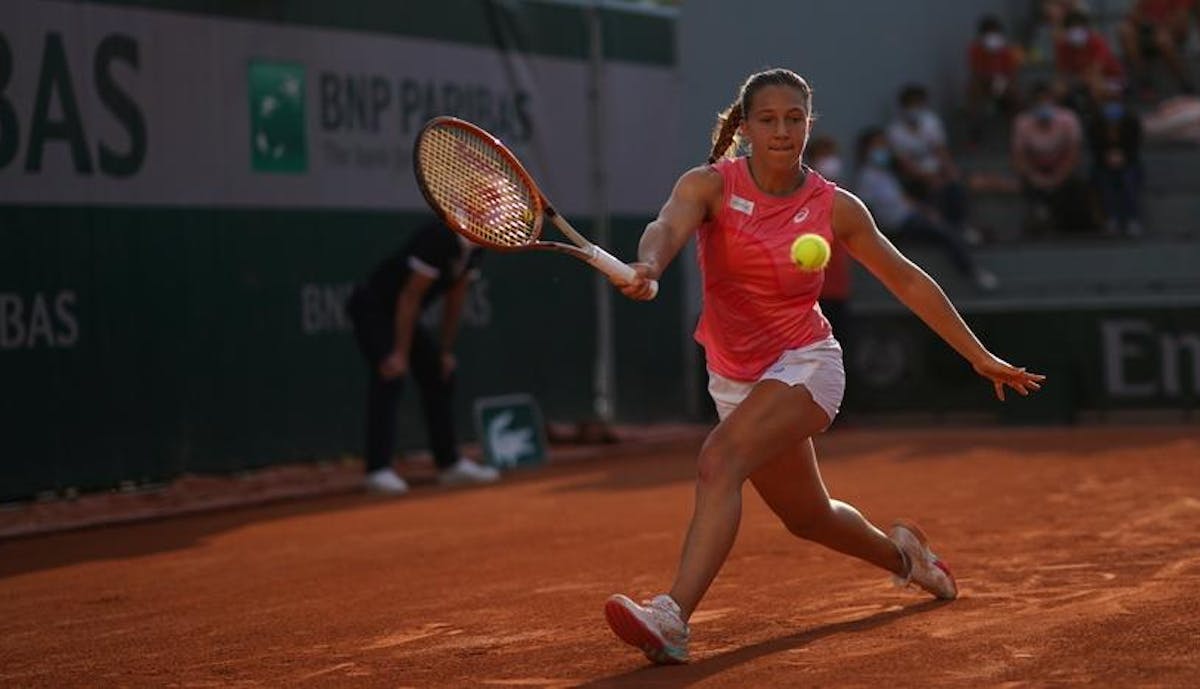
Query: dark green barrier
{"x": 1097, "y": 359}
{"x": 138, "y": 344}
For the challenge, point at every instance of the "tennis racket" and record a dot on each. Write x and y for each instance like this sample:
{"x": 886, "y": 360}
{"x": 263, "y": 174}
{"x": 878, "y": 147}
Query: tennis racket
{"x": 480, "y": 190}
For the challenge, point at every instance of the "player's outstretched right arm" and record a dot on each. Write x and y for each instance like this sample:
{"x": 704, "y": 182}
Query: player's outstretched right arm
{"x": 692, "y": 201}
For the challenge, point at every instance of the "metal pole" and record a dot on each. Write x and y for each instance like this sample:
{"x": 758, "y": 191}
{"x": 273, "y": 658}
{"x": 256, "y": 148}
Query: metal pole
{"x": 604, "y": 402}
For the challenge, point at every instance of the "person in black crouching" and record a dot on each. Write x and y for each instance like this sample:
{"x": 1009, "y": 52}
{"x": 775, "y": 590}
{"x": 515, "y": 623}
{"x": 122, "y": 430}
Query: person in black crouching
{"x": 386, "y": 312}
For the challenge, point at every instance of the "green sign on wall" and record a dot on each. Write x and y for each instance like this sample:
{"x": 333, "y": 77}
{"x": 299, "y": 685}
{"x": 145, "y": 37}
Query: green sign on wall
{"x": 510, "y": 430}
{"x": 277, "y": 130}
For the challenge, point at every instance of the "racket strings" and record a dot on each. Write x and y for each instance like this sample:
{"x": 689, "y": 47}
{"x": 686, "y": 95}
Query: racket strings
{"x": 477, "y": 187}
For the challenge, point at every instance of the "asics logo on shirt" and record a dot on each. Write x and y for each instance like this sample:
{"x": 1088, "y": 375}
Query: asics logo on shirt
{"x": 801, "y": 216}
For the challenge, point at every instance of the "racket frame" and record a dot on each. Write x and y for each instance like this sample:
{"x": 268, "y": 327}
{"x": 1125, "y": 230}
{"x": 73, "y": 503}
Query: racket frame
{"x": 582, "y": 248}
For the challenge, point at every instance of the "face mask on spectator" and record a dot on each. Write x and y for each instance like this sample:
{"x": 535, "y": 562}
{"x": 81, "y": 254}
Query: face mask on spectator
{"x": 1077, "y": 35}
{"x": 830, "y": 167}
{"x": 1044, "y": 112}
{"x": 881, "y": 157}
{"x": 913, "y": 113}
{"x": 994, "y": 41}
{"x": 1114, "y": 111}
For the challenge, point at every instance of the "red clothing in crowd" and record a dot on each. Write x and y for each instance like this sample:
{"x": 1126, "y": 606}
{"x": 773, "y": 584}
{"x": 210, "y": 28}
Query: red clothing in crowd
{"x": 1079, "y": 60}
{"x": 990, "y": 64}
{"x": 1161, "y": 12}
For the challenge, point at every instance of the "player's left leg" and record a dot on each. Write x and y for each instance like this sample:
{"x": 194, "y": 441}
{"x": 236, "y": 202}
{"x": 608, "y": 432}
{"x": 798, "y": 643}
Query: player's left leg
{"x": 792, "y": 487}
{"x": 772, "y": 415}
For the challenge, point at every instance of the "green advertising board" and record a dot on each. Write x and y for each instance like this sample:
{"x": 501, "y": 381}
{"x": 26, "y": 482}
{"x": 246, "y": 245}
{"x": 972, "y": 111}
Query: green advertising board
{"x": 511, "y": 431}
{"x": 1098, "y": 357}
{"x": 189, "y": 190}
{"x": 277, "y": 124}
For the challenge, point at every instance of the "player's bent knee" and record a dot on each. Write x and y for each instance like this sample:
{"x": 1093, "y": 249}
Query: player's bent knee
{"x": 718, "y": 466}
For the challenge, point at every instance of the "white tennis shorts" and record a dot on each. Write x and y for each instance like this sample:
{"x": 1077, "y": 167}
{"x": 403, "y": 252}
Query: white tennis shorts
{"x": 818, "y": 367}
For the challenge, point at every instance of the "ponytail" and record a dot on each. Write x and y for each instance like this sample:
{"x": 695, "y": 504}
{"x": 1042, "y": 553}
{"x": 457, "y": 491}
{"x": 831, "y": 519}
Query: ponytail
{"x": 724, "y": 133}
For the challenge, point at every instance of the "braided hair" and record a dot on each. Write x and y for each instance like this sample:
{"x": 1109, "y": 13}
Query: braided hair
{"x": 724, "y": 134}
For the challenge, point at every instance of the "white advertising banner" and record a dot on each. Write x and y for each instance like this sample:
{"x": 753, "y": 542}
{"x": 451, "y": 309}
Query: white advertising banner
{"x": 103, "y": 105}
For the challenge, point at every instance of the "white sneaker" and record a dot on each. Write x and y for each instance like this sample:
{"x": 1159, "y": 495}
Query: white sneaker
{"x": 655, "y": 627}
{"x": 924, "y": 568}
{"x": 466, "y": 471}
{"x": 386, "y": 482}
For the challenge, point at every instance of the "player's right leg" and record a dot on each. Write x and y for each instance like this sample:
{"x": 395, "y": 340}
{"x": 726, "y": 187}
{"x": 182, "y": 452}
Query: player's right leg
{"x": 773, "y": 415}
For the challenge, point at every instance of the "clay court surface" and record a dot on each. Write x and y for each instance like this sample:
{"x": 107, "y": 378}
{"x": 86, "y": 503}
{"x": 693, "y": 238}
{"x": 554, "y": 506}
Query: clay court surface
{"x": 1077, "y": 552}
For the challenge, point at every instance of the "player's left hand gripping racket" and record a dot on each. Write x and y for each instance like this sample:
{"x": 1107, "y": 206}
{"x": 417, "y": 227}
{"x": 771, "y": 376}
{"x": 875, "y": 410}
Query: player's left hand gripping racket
{"x": 481, "y": 191}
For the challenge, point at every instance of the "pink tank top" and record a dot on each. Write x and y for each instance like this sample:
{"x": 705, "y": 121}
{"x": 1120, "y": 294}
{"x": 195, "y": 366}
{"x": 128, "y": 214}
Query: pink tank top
{"x": 756, "y": 303}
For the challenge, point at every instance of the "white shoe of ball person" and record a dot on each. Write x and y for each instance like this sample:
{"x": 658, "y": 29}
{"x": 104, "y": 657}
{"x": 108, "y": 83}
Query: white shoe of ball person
{"x": 386, "y": 482}
{"x": 465, "y": 471}
{"x": 655, "y": 627}
{"x": 924, "y": 568}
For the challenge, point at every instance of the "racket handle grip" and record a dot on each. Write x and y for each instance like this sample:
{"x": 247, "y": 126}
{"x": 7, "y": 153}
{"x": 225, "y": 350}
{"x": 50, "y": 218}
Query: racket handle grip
{"x": 612, "y": 266}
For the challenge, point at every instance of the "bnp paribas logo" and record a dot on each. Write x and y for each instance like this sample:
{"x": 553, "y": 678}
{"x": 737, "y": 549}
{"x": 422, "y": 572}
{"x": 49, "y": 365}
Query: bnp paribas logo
{"x": 277, "y": 129}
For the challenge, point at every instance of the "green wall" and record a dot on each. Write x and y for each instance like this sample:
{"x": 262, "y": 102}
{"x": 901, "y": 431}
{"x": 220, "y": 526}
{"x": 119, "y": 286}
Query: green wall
{"x": 1097, "y": 359}
{"x": 183, "y": 343}
{"x": 186, "y": 315}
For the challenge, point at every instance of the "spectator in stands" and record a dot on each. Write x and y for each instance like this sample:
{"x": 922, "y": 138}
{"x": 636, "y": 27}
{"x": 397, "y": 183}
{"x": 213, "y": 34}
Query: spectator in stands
{"x": 1056, "y": 11}
{"x": 923, "y": 161}
{"x": 1115, "y": 136}
{"x": 993, "y": 63}
{"x": 1085, "y": 63}
{"x": 385, "y": 310}
{"x": 1047, "y": 26}
{"x": 1047, "y": 145}
{"x": 1157, "y": 28}
{"x": 900, "y": 218}
{"x": 825, "y": 158}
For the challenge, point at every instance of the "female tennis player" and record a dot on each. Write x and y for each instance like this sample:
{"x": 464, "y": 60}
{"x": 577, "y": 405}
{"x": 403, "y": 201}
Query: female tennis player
{"x": 775, "y": 371}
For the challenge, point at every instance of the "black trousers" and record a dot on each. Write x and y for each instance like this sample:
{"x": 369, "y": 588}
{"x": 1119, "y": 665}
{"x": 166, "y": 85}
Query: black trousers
{"x": 374, "y": 329}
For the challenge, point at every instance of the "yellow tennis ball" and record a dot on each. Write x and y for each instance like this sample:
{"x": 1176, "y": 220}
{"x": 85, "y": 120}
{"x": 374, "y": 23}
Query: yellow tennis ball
{"x": 810, "y": 252}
